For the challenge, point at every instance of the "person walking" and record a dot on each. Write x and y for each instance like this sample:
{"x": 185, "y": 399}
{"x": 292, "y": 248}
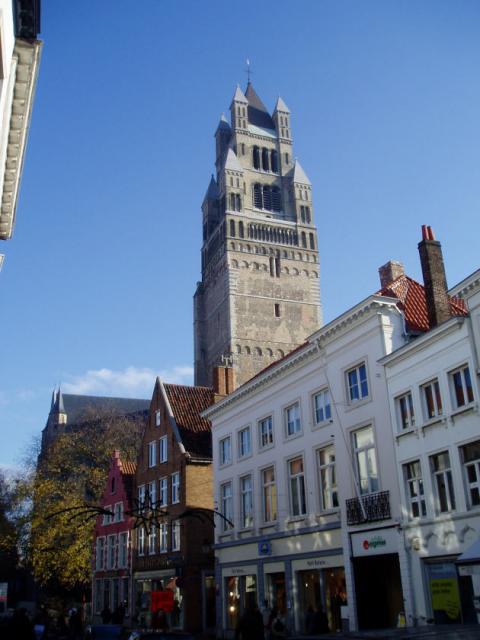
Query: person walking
{"x": 250, "y": 625}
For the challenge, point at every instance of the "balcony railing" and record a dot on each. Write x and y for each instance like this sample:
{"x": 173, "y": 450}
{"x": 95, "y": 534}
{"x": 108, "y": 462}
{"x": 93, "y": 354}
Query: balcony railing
{"x": 376, "y": 506}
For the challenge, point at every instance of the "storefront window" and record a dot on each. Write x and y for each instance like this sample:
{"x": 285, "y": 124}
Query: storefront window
{"x": 241, "y": 594}
{"x": 275, "y": 591}
{"x": 321, "y": 592}
{"x": 444, "y": 593}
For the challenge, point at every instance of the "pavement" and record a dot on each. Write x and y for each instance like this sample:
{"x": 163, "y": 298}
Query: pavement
{"x": 430, "y": 632}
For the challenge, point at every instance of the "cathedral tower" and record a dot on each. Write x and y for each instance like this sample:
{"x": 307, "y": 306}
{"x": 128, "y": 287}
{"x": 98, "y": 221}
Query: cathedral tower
{"x": 259, "y": 296}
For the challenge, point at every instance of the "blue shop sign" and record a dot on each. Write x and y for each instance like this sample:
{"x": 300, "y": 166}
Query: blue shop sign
{"x": 265, "y": 548}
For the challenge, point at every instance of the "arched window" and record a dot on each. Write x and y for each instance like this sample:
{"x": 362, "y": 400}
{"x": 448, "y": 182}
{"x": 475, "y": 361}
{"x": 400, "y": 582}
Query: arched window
{"x": 256, "y": 158}
{"x": 232, "y": 202}
{"x": 272, "y": 266}
{"x": 265, "y": 163}
{"x": 274, "y": 161}
{"x": 232, "y": 228}
{"x": 302, "y": 213}
{"x": 304, "y": 240}
{"x": 231, "y": 181}
{"x": 258, "y": 351}
{"x": 238, "y": 202}
{"x": 281, "y": 120}
{"x": 312, "y": 241}
{"x": 267, "y": 197}
{"x": 307, "y": 214}
{"x": 287, "y": 158}
{"x": 247, "y": 350}
{"x": 243, "y": 149}
{"x": 257, "y": 196}
{"x": 276, "y": 199}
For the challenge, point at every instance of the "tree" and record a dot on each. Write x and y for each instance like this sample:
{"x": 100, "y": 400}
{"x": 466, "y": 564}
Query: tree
{"x": 70, "y": 474}
{"x": 8, "y": 531}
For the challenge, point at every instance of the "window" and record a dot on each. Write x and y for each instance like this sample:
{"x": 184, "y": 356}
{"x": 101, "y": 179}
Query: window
{"x": 366, "y": 460}
{"x": 265, "y": 432}
{"x": 276, "y": 309}
{"x": 432, "y": 400}
{"x": 123, "y": 550}
{"x": 298, "y": 505}
{"x": 321, "y": 406}
{"x": 175, "y": 535}
{"x": 158, "y": 418}
{"x": 141, "y": 496}
{"x": 292, "y": 419}
{"x": 175, "y": 487}
{"x": 112, "y": 486}
{"x": 225, "y": 450}
{"x": 163, "y": 449}
{"x": 118, "y": 512}
{"x": 462, "y": 387}
{"x": 244, "y": 443}
{"x": 269, "y": 495}
{"x": 100, "y": 554}
{"x": 246, "y": 502}
{"x": 152, "y": 454}
{"x": 256, "y": 158}
{"x": 471, "y": 465}
{"x": 405, "y": 412}
{"x": 357, "y": 383}
{"x": 141, "y": 541}
{"x": 163, "y": 485}
{"x": 152, "y": 492}
{"x": 111, "y": 552}
{"x": 443, "y": 482}
{"x": 163, "y": 537}
{"x": 152, "y": 540}
{"x": 415, "y": 493}
{"x": 327, "y": 478}
{"x": 107, "y": 517}
{"x": 226, "y": 500}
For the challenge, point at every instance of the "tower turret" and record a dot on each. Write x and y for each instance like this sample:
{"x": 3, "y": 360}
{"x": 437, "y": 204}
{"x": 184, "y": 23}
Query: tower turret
{"x": 223, "y": 135}
{"x": 238, "y": 110}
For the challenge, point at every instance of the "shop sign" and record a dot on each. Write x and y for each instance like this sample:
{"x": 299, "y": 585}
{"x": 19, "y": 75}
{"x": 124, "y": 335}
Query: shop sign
{"x": 469, "y": 569}
{"x": 239, "y": 571}
{"x": 323, "y": 562}
{"x": 162, "y": 600}
{"x": 374, "y": 543}
{"x": 265, "y": 548}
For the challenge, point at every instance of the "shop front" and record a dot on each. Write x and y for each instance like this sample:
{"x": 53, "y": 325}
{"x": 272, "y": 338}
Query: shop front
{"x": 158, "y": 594}
{"x": 240, "y": 593}
{"x": 451, "y": 591}
{"x": 376, "y": 564}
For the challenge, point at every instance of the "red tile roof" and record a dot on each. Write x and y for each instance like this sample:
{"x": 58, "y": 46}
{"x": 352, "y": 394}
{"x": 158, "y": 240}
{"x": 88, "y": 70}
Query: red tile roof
{"x": 413, "y": 304}
{"x": 128, "y": 468}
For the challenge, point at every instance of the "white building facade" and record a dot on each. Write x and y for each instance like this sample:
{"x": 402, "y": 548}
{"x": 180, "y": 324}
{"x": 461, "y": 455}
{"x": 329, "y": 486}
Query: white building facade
{"x": 434, "y": 403}
{"x": 305, "y": 477}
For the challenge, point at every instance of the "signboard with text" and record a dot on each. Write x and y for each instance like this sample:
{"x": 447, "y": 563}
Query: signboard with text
{"x": 375, "y": 543}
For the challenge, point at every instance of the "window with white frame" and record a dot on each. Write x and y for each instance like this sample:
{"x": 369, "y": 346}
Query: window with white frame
{"x": 152, "y": 492}
{"x": 244, "y": 442}
{"x": 432, "y": 400}
{"x": 107, "y": 517}
{"x": 417, "y": 507}
{"x": 141, "y": 541}
{"x": 226, "y": 505}
{"x": 163, "y": 446}
{"x": 111, "y": 552}
{"x": 443, "y": 482}
{"x": 365, "y": 459}
{"x": 246, "y": 502}
{"x": 175, "y": 535}
{"x": 462, "y": 389}
{"x": 152, "y": 454}
{"x": 141, "y": 496}
{"x": 158, "y": 418}
{"x": 175, "y": 487}
{"x": 152, "y": 540}
{"x": 321, "y": 406}
{"x": 269, "y": 495}
{"x": 123, "y": 549}
{"x": 225, "y": 450}
{"x": 357, "y": 383}
{"x": 327, "y": 478}
{"x": 296, "y": 476}
{"x": 471, "y": 465}
{"x": 118, "y": 512}
{"x": 100, "y": 554}
{"x": 292, "y": 419}
{"x": 265, "y": 432}
{"x": 405, "y": 412}
{"x": 163, "y": 485}
{"x": 163, "y": 537}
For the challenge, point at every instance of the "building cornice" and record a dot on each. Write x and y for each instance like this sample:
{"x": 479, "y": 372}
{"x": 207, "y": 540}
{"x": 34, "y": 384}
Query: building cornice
{"x": 25, "y": 62}
{"x": 467, "y": 286}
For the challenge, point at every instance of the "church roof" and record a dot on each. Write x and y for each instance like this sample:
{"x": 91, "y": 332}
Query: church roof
{"x": 78, "y": 408}
{"x": 299, "y": 174}
{"x": 239, "y": 96}
{"x": 257, "y": 111}
{"x": 231, "y": 161}
{"x": 281, "y": 106}
{"x": 212, "y": 191}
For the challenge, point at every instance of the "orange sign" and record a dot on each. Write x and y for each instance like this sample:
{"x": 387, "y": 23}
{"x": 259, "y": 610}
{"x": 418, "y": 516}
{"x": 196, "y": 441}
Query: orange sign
{"x": 162, "y": 600}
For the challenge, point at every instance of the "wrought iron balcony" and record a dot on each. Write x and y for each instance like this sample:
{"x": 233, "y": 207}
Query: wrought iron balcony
{"x": 376, "y": 506}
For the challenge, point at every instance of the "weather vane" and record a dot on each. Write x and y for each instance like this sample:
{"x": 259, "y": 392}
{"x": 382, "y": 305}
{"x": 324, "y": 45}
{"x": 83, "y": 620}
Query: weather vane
{"x": 248, "y": 70}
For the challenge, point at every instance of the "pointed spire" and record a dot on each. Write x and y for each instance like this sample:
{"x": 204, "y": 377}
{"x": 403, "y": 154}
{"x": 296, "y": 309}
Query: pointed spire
{"x": 239, "y": 95}
{"x": 299, "y": 174}
{"x": 52, "y": 404}
{"x": 223, "y": 124}
{"x": 257, "y": 111}
{"x": 281, "y": 106}
{"x": 212, "y": 192}
{"x": 231, "y": 161}
{"x": 60, "y": 408}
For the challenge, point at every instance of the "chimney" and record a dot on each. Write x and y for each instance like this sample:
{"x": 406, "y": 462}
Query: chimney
{"x": 434, "y": 279}
{"x": 390, "y": 272}
{"x": 224, "y": 381}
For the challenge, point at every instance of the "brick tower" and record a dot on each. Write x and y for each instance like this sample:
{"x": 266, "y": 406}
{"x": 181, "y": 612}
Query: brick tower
{"x": 259, "y": 296}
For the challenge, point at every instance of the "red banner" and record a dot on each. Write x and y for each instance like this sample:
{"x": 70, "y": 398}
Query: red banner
{"x": 162, "y": 600}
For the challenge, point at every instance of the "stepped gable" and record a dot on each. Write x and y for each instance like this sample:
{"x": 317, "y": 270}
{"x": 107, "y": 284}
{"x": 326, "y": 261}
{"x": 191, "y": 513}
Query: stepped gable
{"x": 413, "y": 304}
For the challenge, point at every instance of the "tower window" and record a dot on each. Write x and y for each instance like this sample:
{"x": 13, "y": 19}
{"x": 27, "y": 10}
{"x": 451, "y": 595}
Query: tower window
{"x": 277, "y": 310}
{"x": 274, "y": 161}
{"x": 243, "y": 149}
{"x": 267, "y": 198}
{"x": 276, "y": 199}
{"x": 277, "y": 266}
{"x": 257, "y": 196}
{"x": 265, "y": 162}
{"x": 312, "y": 241}
{"x": 238, "y": 202}
{"x": 287, "y": 158}
{"x": 240, "y": 229}
{"x": 256, "y": 158}
{"x": 232, "y": 202}
{"x": 272, "y": 266}
{"x": 307, "y": 214}
{"x": 232, "y": 228}
{"x": 304, "y": 240}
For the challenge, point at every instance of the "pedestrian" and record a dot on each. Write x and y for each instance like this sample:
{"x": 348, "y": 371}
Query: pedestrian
{"x": 309, "y": 621}
{"x": 75, "y": 624}
{"x": 250, "y": 625}
{"x": 278, "y": 626}
{"x": 266, "y": 616}
{"x": 106, "y": 614}
{"x": 320, "y": 622}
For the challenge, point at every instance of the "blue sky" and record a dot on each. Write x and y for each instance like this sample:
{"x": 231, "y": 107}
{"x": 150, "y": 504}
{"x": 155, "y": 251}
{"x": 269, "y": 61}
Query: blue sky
{"x": 97, "y": 285}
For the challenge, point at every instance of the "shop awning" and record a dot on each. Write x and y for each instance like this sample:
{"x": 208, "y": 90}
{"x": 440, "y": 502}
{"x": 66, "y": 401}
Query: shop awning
{"x": 471, "y": 555}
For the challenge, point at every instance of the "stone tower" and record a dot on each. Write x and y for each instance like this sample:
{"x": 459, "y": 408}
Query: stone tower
{"x": 259, "y": 296}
